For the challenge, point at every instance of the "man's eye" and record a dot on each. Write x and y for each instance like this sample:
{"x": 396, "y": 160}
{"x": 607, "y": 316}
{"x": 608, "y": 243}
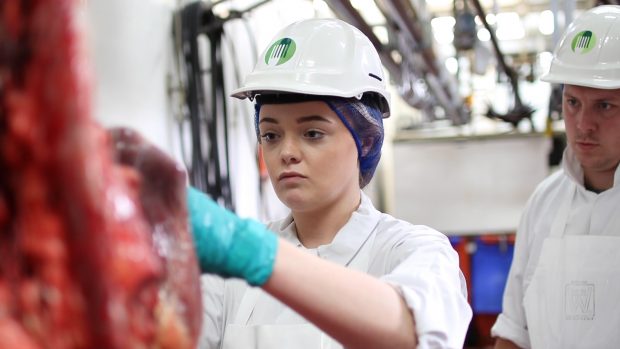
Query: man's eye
{"x": 571, "y": 101}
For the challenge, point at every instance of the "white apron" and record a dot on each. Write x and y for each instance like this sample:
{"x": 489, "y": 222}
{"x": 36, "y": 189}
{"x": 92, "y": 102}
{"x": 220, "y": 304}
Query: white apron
{"x": 573, "y": 300}
{"x": 294, "y": 336}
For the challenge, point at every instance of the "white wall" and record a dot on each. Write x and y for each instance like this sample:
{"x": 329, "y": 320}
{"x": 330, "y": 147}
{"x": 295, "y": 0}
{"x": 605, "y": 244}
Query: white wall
{"x": 130, "y": 47}
{"x": 468, "y": 186}
{"x": 131, "y": 54}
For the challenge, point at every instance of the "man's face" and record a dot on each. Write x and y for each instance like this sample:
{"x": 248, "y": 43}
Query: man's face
{"x": 592, "y": 119}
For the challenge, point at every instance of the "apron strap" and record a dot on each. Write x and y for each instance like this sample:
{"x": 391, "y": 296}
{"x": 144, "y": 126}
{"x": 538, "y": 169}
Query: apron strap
{"x": 361, "y": 258}
{"x": 246, "y": 307}
{"x": 611, "y": 228}
{"x": 561, "y": 218}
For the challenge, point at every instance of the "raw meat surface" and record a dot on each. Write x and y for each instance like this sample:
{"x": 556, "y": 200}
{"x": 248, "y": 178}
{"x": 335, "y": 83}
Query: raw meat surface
{"x": 93, "y": 253}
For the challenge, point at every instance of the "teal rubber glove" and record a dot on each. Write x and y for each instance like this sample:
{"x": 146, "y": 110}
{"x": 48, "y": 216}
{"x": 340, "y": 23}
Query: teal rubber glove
{"x": 228, "y": 245}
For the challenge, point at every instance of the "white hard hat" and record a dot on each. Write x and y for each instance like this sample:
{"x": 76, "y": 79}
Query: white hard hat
{"x": 589, "y": 52}
{"x": 326, "y": 57}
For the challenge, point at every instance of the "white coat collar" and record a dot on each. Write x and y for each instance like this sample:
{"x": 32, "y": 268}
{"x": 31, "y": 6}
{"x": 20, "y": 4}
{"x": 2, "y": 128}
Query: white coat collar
{"x": 573, "y": 168}
{"x": 349, "y": 238}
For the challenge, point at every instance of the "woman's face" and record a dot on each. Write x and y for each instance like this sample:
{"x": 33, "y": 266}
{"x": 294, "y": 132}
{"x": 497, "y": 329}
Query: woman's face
{"x": 310, "y": 155}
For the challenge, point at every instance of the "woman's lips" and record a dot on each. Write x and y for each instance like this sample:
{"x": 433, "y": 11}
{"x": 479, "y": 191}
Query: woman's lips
{"x": 290, "y": 177}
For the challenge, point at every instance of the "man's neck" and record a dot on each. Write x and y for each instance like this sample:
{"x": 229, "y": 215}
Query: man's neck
{"x": 599, "y": 181}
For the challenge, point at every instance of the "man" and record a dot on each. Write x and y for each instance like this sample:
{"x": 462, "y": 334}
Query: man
{"x": 564, "y": 284}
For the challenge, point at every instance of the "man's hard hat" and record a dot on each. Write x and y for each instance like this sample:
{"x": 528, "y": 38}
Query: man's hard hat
{"x": 589, "y": 52}
{"x": 326, "y": 57}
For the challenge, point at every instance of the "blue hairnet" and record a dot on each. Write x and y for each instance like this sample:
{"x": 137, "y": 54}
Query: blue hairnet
{"x": 362, "y": 118}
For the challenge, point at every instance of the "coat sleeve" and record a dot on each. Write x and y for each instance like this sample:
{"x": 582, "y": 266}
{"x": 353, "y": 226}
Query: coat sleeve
{"x": 428, "y": 276}
{"x": 511, "y": 323}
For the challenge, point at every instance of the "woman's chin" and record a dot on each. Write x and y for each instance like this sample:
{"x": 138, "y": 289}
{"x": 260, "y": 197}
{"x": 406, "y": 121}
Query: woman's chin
{"x": 293, "y": 201}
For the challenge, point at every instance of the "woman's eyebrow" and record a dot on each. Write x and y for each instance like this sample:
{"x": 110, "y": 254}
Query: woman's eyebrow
{"x": 300, "y": 120}
{"x": 311, "y": 118}
{"x": 268, "y": 120}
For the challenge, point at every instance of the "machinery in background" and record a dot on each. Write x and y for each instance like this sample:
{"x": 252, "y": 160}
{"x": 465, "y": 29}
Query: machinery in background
{"x": 198, "y": 34}
{"x": 520, "y": 110}
{"x": 421, "y": 78}
{"x": 205, "y": 99}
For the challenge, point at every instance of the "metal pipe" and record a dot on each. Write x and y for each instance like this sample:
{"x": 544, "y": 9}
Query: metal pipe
{"x": 512, "y": 76}
{"x": 348, "y": 13}
{"x": 407, "y": 19}
{"x": 404, "y": 19}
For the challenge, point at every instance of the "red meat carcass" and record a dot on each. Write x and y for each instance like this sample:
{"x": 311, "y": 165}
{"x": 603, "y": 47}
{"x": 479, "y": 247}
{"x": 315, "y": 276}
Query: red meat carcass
{"x": 93, "y": 254}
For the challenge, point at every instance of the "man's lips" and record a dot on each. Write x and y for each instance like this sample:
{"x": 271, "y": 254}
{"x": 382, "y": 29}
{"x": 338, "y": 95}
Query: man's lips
{"x": 586, "y": 144}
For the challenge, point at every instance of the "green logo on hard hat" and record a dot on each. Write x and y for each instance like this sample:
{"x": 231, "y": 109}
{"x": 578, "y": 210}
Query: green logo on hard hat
{"x": 280, "y": 52}
{"x": 584, "y": 42}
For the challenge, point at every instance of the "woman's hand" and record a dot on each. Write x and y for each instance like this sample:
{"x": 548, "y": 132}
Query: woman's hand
{"x": 225, "y": 244}
{"x": 228, "y": 245}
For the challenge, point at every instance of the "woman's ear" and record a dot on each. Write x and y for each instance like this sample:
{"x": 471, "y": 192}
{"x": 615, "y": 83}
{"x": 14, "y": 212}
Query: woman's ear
{"x": 367, "y": 144}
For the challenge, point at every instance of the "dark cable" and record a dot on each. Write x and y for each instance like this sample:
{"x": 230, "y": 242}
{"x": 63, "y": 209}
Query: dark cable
{"x": 209, "y": 163}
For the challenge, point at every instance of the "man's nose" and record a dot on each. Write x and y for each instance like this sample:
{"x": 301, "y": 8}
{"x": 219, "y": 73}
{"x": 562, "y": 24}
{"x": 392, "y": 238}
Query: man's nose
{"x": 586, "y": 120}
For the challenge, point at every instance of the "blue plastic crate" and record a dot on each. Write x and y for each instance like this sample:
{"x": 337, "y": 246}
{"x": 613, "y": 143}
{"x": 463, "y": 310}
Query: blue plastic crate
{"x": 455, "y": 240}
{"x": 490, "y": 264}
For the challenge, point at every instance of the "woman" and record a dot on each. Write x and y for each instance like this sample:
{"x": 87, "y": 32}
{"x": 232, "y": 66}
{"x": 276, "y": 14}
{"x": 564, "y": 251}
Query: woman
{"x": 336, "y": 272}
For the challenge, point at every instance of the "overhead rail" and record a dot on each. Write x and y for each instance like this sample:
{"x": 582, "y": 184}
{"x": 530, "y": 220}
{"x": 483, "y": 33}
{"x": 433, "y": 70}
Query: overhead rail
{"x": 422, "y": 80}
{"x": 520, "y": 110}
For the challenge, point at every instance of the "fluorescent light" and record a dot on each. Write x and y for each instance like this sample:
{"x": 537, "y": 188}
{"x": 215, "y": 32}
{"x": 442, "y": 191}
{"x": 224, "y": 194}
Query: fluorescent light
{"x": 443, "y": 29}
{"x": 483, "y": 34}
{"x": 545, "y": 23}
{"x": 381, "y": 33}
{"x": 452, "y": 65}
{"x": 491, "y": 18}
{"x": 396, "y": 56}
{"x": 544, "y": 60}
{"x": 509, "y": 26}
{"x": 320, "y": 6}
{"x": 369, "y": 11}
{"x": 443, "y": 23}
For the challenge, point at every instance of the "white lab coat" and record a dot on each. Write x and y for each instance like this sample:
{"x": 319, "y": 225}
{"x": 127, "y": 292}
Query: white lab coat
{"x": 554, "y": 293}
{"x": 418, "y": 260}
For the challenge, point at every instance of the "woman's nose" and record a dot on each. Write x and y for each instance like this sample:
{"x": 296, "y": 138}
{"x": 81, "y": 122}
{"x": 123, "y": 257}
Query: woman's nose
{"x": 290, "y": 151}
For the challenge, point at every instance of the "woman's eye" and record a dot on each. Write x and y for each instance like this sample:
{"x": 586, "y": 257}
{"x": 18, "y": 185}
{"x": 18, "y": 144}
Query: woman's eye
{"x": 267, "y": 136}
{"x": 314, "y": 134}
